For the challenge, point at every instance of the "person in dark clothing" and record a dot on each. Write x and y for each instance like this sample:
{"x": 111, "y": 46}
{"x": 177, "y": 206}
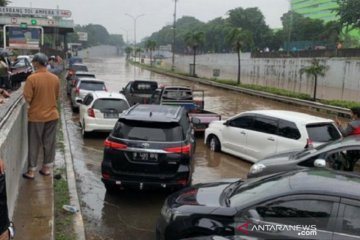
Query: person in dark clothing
{"x": 6, "y": 227}
{"x": 352, "y": 128}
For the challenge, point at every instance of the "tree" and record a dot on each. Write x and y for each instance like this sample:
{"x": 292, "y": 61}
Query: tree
{"x": 315, "y": 69}
{"x": 194, "y": 40}
{"x": 128, "y": 51}
{"x": 150, "y": 45}
{"x": 349, "y": 13}
{"x": 252, "y": 20}
{"x": 138, "y": 51}
{"x": 4, "y": 3}
{"x": 239, "y": 39}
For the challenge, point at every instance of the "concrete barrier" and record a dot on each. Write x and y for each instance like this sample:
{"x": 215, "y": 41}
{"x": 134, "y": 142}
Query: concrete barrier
{"x": 13, "y": 143}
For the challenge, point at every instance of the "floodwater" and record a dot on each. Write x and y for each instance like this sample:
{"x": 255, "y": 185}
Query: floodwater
{"x": 133, "y": 214}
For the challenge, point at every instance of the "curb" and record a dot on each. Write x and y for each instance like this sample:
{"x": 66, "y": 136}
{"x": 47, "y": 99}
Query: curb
{"x": 70, "y": 173}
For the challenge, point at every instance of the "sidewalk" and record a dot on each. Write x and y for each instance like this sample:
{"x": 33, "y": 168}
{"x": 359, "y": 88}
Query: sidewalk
{"x": 34, "y": 212}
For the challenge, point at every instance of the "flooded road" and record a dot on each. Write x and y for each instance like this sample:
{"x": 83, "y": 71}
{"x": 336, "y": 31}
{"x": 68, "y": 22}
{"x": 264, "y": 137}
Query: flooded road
{"x": 132, "y": 214}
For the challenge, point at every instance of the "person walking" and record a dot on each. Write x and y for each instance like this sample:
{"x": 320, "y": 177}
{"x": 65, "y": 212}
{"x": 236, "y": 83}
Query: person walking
{"x": 6, "y": 227}
{"x": 41, "y": 92}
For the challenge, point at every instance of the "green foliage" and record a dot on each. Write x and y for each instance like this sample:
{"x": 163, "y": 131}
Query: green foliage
{"x": 128, "y": 51}
{"x": 97, "y": 35}
{"x": 252, "y": 20}
{"x": 194, "y": 40}
{"x": 349, "y": 13}
{"x": 315, "y": 69}
{"x": 4, "y": 3}
{"x": 340, "y": 103}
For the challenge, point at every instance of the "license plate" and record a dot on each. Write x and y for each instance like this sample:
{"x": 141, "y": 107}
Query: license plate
{"x": 111, "y": 115}
{"x": 140, "y": 156}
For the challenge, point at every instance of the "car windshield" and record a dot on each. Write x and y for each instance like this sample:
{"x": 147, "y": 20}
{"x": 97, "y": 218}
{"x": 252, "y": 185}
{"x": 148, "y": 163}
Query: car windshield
{"x": 323, "y": 132}
{"x": 92, "y": 86}
{"x": 111, "y": 104}
{"x": 257, "y": 189}
{"x": 144, "y": 87}
{"x": 150, "y": 131}
{"x": 85, "y": 75}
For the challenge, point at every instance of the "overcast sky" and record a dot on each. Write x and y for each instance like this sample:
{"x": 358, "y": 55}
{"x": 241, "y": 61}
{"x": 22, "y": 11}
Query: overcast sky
{"x": 157, "y": 13}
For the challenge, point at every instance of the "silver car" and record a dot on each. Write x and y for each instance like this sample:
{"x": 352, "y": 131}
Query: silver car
{"x": 82, "y": 88}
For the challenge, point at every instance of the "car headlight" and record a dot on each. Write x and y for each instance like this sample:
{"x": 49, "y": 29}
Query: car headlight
{"x": 257, "y": 168}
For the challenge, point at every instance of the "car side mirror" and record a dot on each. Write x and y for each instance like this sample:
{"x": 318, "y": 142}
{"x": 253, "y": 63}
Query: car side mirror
{"x": 79, "y": 100}
{"x": 226, "y": 123}
{"x": 320, "y": 163}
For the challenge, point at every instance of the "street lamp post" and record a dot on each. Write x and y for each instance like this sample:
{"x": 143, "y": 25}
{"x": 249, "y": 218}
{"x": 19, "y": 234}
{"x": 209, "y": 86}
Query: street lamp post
{"x": 174, "y": 37}
{"x": 134, "y": 18}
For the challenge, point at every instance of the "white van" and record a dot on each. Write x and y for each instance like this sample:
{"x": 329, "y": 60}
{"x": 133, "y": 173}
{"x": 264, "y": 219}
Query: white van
{"x": 253, "y": 135}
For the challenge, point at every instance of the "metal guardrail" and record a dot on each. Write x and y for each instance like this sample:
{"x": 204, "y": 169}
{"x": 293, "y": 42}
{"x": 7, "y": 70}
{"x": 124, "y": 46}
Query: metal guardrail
{"x": 338, "y": 111}
{"x": 8, "y": 107}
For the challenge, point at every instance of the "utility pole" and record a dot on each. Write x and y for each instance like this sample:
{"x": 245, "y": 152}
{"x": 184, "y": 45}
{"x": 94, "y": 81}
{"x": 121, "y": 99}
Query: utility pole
{"x": 174, "y": 37}
{"x": 134, "y": 19}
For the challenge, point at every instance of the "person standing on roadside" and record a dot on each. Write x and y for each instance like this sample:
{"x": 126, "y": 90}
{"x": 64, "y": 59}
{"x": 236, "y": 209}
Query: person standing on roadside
{"x": 4, "y": 73}
{"x": 6, "y": 227}
{"x": 41, "y": 92}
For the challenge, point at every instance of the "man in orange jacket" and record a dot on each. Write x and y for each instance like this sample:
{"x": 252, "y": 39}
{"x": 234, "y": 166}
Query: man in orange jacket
{"x": 41, "y": 92}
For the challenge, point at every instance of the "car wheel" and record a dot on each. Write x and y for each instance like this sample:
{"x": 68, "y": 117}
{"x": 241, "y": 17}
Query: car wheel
{"x": 83, "y": 132}
{"x": 214, "y": 144}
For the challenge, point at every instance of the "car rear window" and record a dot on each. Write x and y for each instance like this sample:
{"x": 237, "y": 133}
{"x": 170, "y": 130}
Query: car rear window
{"x": 144, "y": 87}
{"x": 110, "y": 104}
{"x": 177, "y": 94}
{"x": 322, "y": 132}
{"x": 85, "y": 75}
{"x": 92, "y": 86}
{"x": 148, "y": 131}
{"x": 80, "y": 68}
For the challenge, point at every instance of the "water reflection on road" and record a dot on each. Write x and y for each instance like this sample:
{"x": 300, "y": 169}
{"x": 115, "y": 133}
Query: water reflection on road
{"x": 132, "y": 214}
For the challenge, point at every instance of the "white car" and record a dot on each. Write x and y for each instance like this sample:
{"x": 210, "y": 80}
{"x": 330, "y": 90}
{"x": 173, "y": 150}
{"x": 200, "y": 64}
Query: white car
{"x": 99, "y": 111}
{"x": 82, "y": 88}
{"x": 254, "y": 135}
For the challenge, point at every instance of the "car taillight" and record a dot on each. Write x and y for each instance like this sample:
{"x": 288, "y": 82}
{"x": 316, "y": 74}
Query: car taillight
{"x": 91, "y": 112}
{"x": 114, "y": 145}
{"x": 106, "y": 175}
{"x": 182, "y": 149}
{"x": 309, "y": 143}
{"x": 77, "y": 91}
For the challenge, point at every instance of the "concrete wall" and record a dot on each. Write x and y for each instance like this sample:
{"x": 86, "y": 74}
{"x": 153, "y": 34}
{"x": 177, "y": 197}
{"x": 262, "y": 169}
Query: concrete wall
{"x": 100, "y": 51}
{"x": 13, "y": 143}
{"x": 340, "y": 82}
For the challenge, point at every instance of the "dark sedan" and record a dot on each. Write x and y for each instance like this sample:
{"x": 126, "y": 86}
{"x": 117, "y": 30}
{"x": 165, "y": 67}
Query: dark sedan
{"x": 310, "y": 203}
{"x": 340, "y": 155}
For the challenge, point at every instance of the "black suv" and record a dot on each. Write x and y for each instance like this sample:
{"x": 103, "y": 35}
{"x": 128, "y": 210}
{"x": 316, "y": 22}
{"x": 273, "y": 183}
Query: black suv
{"x": 150, "y": 146}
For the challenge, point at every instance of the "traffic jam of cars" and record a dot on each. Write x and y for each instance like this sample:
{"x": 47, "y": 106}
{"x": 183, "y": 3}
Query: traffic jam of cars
{"x": 303, "y": 182}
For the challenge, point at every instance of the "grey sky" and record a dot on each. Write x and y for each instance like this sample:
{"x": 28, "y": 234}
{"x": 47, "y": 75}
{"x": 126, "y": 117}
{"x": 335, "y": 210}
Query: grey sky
{"x": 157, "y": 13}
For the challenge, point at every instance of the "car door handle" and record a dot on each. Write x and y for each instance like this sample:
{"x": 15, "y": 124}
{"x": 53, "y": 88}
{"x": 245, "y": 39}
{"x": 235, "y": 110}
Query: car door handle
{"x": 243, "y": 133}
{"x": 271, "y": 139}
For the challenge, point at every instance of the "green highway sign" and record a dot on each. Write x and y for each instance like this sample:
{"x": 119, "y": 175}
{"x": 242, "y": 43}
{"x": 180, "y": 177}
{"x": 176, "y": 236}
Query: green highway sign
{"x": 33, "y": 21}
{"x": 23, "y": 25}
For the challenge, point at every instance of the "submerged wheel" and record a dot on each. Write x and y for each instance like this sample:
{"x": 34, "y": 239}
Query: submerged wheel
{"x": 83, "y": 132}
{"x": 214, "y": 144}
